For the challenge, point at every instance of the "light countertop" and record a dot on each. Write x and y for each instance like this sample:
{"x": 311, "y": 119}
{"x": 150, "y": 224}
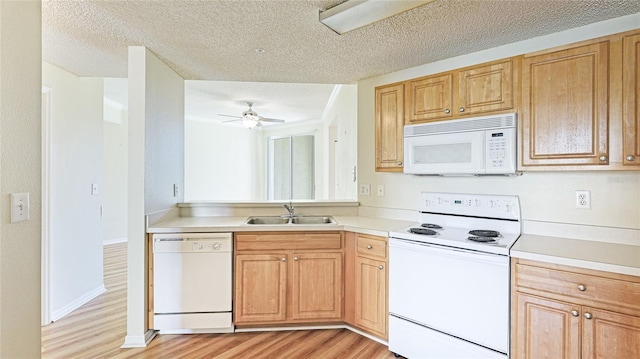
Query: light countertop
{"x": 609, "y": 257}
{"x": 365, "y": 225}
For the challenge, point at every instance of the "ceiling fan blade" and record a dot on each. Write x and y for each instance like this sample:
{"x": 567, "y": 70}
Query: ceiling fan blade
{"x": 239, "y": 120}
{"x": 229, "y": 116}
{"x": 274, "y": 120}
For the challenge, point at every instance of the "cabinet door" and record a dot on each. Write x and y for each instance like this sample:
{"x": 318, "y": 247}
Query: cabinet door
{"x": 610, "y": 335}
{"x": 260, "y": 288}
{"x": 316, "y": 286}
{"x": 485, "y": 88}
{"x": 546, "y": 329}
{"x": 631, "y": 100}
{"x": 371, "y": 296}
{"x": 389, "y": 128}
{"x": 565, "y": 107}
{"x": 429, "y": 98}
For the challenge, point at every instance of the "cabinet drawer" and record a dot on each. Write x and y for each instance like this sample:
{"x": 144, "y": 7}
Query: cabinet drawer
{"x": 579, "y": 286}
{"x": 288, "y": 240}
{"x": 371, "y": 246}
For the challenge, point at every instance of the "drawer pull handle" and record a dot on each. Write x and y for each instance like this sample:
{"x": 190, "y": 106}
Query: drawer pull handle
{"x": 447, "y": 111}
{"x": 603, "y": 158}
{"x": 631, "y": 158}
{"x": 369, "y": 246}
{"x": 295, "y": 258}
{"x": 381, "y": 267}
{"x": 399, "y": 163}
{"x": 284, "y": 259}
{"x": 575, "y": 313}
{"x": 582, "y": 288}
{"x": 588, "y": 315}
{"x": 461, "y": 109}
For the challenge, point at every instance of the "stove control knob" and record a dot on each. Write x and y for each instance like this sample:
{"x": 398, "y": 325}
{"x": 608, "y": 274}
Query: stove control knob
{"x": 478, "y": 203}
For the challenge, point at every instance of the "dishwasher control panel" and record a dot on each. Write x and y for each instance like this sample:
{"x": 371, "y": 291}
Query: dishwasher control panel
{"x": 192, "y": 242}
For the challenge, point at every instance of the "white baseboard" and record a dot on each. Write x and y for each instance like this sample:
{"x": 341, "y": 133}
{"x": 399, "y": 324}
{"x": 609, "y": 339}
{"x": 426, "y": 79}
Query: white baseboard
{"x": 60, "y": 313}
{"x": 107, "y": 242}
{"x": 139, "y": 341}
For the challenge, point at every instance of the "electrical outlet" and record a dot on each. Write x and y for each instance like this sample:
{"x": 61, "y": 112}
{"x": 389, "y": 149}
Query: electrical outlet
{"x": 380, "y": 190}
{"x": 583, "y": 199}
{"x": 365, "y": 190}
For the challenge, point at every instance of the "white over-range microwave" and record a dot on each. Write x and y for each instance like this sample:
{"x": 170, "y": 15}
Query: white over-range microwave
{"x": 474, "y": 146}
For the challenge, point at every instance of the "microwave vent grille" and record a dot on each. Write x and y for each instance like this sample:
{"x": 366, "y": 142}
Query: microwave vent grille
{"x": 475, "y": 124}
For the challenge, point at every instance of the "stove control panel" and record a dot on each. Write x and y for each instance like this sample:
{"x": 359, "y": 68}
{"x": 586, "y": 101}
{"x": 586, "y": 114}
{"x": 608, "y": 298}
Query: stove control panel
{"x": 490, "y": 206}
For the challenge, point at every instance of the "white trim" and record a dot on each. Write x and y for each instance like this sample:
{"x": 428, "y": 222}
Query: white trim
{"x": 45, "y": 271}
{"x": 107, "y": 242}
{"x": 139, "y": 341}
{"x": 58, "y": 314}
{"x": 316, "y": 327}
{"x": 365, "y": 334}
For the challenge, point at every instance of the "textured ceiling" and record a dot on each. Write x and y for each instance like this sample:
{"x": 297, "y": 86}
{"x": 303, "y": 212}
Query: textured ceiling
{"x": 217, "y": 41}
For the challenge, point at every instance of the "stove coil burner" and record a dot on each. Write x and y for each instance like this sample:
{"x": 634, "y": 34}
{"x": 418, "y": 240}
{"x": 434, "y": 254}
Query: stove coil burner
{"x": 424, "y": 231}
{"x": 431, "y": 226}
{"x": 485, "y": 233}
{"x": 481, "y": 239}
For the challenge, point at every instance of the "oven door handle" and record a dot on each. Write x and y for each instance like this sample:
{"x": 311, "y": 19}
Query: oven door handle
{"x": 448, "y": 251}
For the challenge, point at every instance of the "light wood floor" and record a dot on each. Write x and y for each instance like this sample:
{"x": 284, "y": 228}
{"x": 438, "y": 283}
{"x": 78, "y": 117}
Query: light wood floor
{"x": 97, "y": 329}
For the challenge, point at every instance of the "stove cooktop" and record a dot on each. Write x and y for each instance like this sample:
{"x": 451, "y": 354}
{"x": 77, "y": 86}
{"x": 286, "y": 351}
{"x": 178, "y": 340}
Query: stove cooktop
{"x": 477, "y": 222}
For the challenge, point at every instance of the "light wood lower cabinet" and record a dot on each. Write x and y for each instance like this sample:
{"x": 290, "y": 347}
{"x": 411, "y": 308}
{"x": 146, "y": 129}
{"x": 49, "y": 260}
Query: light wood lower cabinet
{"x": 281, "y": 279}
{"x": 366, "y": 283}
{"x": 567, "y": 312}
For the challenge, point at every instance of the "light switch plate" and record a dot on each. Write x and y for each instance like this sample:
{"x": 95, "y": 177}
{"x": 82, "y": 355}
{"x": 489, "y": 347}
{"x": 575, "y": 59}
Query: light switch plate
{"x": 19, "y": 207}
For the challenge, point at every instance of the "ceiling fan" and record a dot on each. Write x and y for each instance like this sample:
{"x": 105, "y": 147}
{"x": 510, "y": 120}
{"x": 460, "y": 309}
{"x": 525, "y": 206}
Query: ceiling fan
{"x": 251, "y": 119}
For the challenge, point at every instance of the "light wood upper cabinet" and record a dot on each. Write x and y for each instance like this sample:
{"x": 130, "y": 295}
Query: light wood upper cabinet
{"x": 568, "y": 312}
{"x": 631, "y": 100}
{"x": 473, "y": 90}
{"x": 429, "y": 98}
{"x": 288, "y": 278}
{"x": 565, "y": 107}
{"x": 389, "y": 127}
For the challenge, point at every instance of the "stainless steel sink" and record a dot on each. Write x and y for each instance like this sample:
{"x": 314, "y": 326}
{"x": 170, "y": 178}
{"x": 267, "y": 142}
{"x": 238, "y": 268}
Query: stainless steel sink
{"x": 299, "y": 220}
{"x": 313, "y": 220}
{"x": 267, "y": 220}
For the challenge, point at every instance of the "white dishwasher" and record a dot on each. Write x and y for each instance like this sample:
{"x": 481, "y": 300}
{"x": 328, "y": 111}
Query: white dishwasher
{"x": 192, "y": 282}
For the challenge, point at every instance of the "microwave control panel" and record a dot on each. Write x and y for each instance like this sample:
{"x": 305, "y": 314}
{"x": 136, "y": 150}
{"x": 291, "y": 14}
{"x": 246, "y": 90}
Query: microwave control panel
{"x": 500, "y": 150}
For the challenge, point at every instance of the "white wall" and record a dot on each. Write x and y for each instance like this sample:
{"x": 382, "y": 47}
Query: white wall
{"x": 20, "y": 170}
{"x": 115, "y": 147}
{"x": 76, "y": 164}
{"x": 223, "y": 162}
{"x": 545, "y": 196}
{"x": 156, "y": 163}
{"x": 342, "y": 115}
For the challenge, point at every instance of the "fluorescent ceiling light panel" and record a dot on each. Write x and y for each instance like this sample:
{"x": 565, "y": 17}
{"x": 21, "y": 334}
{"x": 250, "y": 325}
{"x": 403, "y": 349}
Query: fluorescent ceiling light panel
{"x": 353, "y": 14}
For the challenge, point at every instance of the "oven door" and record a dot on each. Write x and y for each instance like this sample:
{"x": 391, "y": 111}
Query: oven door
{"x": 462, "y": 293}
{"x": 452, "y": 153}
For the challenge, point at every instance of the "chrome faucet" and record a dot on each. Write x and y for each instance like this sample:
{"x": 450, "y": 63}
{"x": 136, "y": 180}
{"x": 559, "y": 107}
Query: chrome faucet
{"x": 290, "y": 209}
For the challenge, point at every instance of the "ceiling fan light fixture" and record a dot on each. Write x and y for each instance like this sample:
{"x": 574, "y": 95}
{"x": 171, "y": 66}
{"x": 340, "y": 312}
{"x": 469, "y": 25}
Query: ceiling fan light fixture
{"x": 353, "y": 14}
{"x": 250, "y": 121}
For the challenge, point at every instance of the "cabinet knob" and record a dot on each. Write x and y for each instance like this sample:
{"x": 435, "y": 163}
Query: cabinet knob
{"x": 603, "y": 158}
{"x": 582, "y": 288}
{"x": 631, "y": 158}
{"x": 369, "y": 246}
{"x": 399, "y": 163}
{"x": 447, "y": 111}
{"x": 295, "y": 258}
{"x": 588, "y": 315}
{"x": 461, "y": 109}
{"x": 575, "y": 313}
{"x": 284, "y": 259}
{"x": 381, "y": 267}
